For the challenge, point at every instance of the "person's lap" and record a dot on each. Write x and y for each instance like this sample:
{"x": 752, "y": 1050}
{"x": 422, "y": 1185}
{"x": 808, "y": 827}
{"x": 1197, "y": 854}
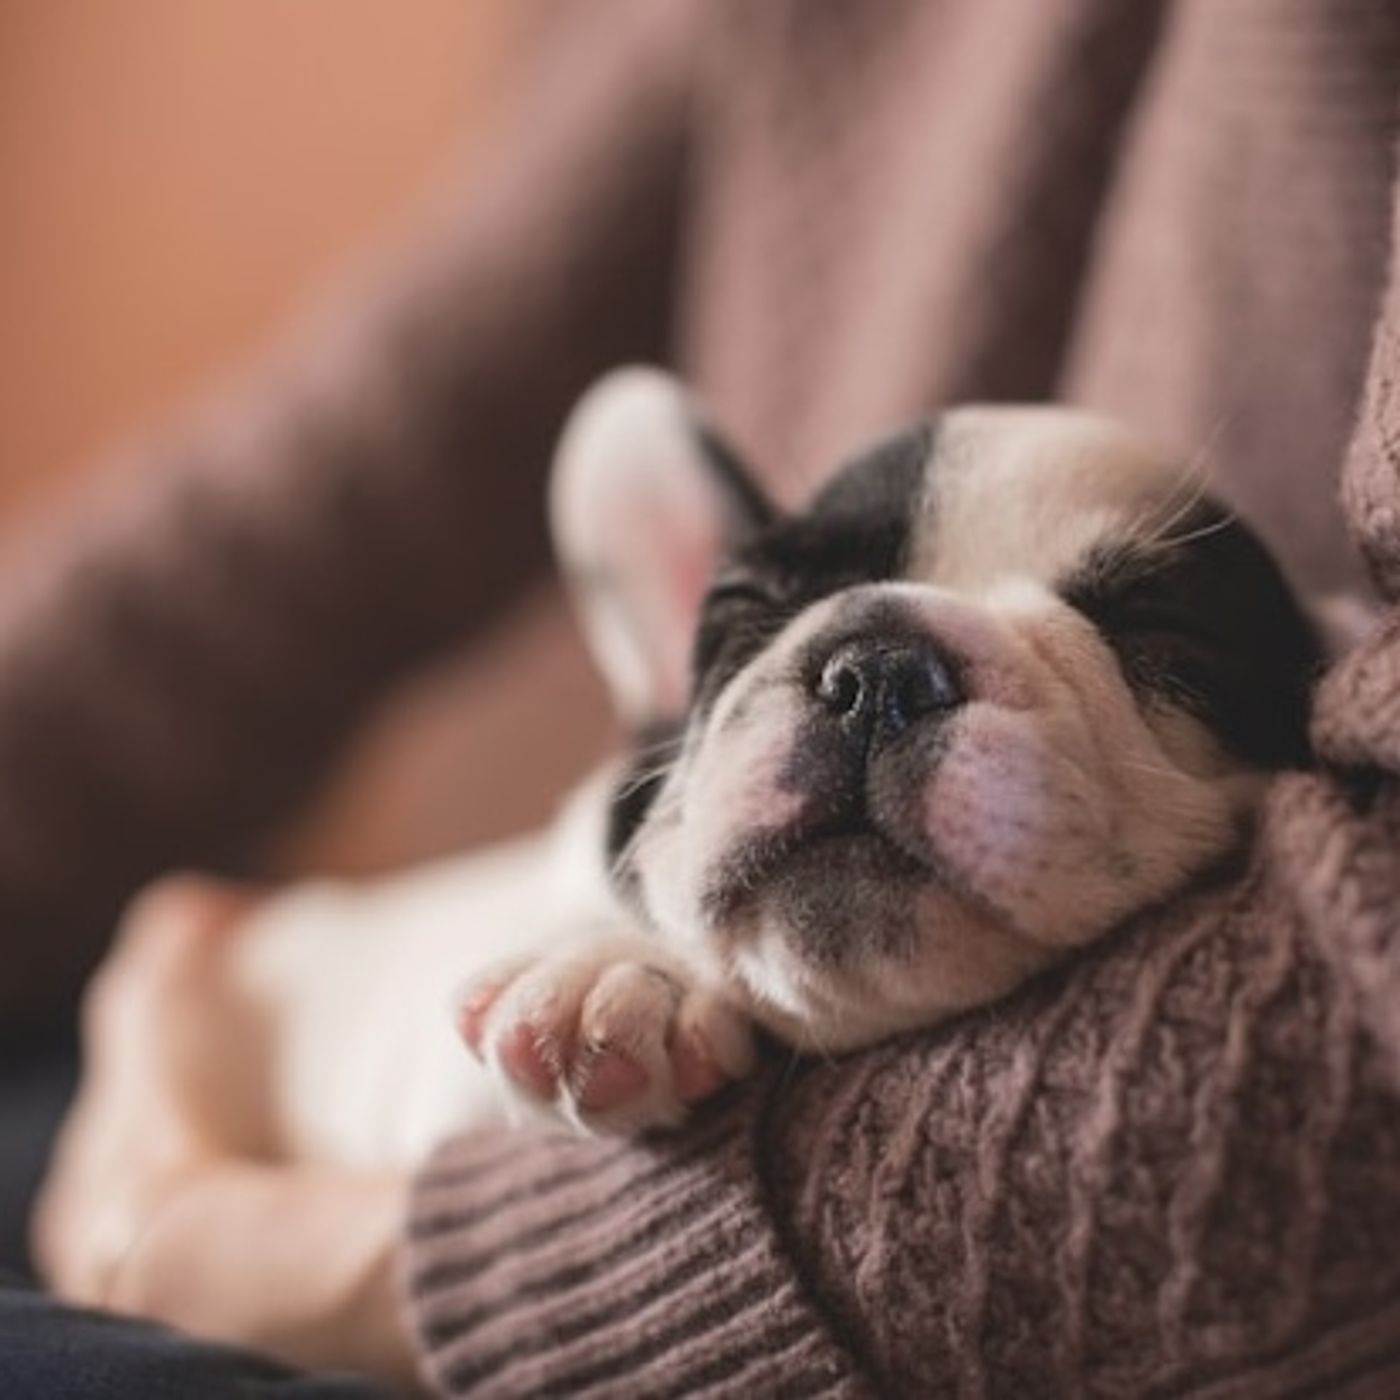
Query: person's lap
{"x": 47, "y": 1348}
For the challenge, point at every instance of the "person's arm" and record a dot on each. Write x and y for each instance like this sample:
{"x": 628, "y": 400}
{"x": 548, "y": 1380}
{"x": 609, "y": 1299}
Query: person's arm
{"x": 177, "y": 668}
{"x": 1175, "y": 1165}
{"x": 567, "y": 1266}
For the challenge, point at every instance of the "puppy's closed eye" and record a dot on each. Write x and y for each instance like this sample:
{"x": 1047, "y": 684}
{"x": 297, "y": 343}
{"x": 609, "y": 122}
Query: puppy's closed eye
{"x": 743, "y": 588}
{"x": 742, "y": 611}
{"x": 1143, "y": 613}
{"x": 1210, "y": 626}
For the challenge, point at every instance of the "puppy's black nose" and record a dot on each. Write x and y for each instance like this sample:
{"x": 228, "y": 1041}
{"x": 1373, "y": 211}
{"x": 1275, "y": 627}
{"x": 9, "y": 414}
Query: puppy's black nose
{"x": 882, "y": 687}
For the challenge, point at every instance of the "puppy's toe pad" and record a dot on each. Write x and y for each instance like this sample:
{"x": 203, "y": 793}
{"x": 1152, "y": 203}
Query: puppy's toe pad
{"x": 521, "y": 1052}
{"x": 630, "y": 1008}
{"x": 606, "y": 1080}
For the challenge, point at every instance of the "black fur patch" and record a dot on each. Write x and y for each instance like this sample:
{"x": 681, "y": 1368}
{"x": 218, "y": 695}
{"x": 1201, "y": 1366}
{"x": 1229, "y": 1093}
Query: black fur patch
{"x": 1210, "y": 625}
{"x": 849, "y": 899}
{"x": 856, "y": 530}
{"x": 755, "y": 508}
{"x": 653, "y": 753}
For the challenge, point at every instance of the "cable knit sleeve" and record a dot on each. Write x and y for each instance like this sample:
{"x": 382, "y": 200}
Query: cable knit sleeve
{"x": 177, "y": 666}
{"x": 1351, "y": 883}
{"x": 1173, "y": 1167}
{"x": 576, "y": 1267}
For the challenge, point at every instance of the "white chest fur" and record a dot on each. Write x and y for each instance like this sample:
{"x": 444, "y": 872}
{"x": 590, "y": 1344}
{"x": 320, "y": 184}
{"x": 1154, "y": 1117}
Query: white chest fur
{"x": 348, "y": 994}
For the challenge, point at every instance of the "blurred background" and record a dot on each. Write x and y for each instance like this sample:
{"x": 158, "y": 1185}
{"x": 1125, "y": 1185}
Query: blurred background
{"x": 179, "y": 182}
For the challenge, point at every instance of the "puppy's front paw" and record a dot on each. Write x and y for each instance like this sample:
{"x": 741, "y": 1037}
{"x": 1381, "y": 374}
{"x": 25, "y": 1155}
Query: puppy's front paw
{"x": 609, "y": 1039}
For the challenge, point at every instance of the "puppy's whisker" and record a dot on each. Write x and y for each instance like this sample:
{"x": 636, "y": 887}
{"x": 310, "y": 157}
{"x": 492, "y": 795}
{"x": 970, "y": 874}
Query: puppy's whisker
{"x": 790, "y": 1065}
{"x": 640, "y": 779}
{"x": 661, "y": 749}
{"x": 1173, "y": 509}
{"x": 628, "y": 856}
{"x": 633, "y": 852}
{"x": 1204, "y": 532}
{"x": 1161, "y": 515}
{"x": 1186, "y": 493}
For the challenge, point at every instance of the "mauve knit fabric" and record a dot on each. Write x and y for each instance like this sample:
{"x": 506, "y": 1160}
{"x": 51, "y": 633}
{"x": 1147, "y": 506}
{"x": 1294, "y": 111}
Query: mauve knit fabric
{"x": 1173, "y": 1167}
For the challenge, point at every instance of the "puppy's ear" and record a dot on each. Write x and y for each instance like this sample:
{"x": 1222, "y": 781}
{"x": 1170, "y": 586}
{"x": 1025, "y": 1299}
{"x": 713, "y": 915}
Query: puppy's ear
{"x": 644, "y": 502}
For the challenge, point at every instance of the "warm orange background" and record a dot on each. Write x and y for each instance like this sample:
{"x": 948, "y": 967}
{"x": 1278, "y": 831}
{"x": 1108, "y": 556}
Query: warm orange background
{"x": 174, "y": 176}
{"x": 176, "y": 179}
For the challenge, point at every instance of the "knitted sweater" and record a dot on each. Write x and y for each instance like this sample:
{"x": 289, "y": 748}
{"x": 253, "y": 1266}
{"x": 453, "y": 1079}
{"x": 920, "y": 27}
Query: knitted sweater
{"x": 1176, "y": 1168}
{"x": 1175, "y": 1165}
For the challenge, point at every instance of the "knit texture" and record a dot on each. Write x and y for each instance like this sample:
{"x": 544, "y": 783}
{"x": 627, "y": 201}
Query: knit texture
{"x": 617, "y": 1269}
{"x": 1175, "y": 1167}
{"x": 1172, "y": 1167}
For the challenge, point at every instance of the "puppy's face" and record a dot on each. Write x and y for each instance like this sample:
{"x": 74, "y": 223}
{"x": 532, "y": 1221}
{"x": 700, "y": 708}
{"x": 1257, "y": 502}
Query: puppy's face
{"x": 1007, "y": 679}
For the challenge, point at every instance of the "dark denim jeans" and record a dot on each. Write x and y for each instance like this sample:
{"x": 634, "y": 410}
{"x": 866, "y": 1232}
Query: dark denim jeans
{"x": 52, "y": 1352}
{"x": 35, "y": 1084}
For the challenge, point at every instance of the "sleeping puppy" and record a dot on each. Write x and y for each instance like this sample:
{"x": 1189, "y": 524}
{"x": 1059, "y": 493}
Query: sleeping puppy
{"x": 1007, "y": 679}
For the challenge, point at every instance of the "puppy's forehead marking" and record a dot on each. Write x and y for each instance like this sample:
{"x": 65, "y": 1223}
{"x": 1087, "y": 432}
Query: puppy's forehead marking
{"x": 863, "y": 522}
{"x": 1027, "y": 490}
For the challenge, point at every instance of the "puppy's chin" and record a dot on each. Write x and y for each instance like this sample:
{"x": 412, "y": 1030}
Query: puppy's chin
{"x": 1017, "y": 855}
{"x": 851, "y": 942}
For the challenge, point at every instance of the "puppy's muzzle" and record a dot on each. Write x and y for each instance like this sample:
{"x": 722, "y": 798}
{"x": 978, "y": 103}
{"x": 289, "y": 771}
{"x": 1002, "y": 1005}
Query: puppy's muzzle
{"x": 853, "y": 852}
{"x": 875, "y": 689}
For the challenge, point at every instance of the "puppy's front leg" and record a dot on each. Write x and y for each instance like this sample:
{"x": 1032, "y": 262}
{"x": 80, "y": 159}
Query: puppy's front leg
{"x": 609, "y": 1033}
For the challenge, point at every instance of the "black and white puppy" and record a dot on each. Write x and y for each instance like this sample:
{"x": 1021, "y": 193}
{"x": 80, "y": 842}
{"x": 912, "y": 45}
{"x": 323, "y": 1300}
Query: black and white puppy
{"x": 1010, "y": 677}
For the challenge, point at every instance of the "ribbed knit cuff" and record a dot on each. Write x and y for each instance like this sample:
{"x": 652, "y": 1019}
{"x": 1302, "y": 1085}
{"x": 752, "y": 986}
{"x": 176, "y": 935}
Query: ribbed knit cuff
{"x": 544, "y": 1264}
